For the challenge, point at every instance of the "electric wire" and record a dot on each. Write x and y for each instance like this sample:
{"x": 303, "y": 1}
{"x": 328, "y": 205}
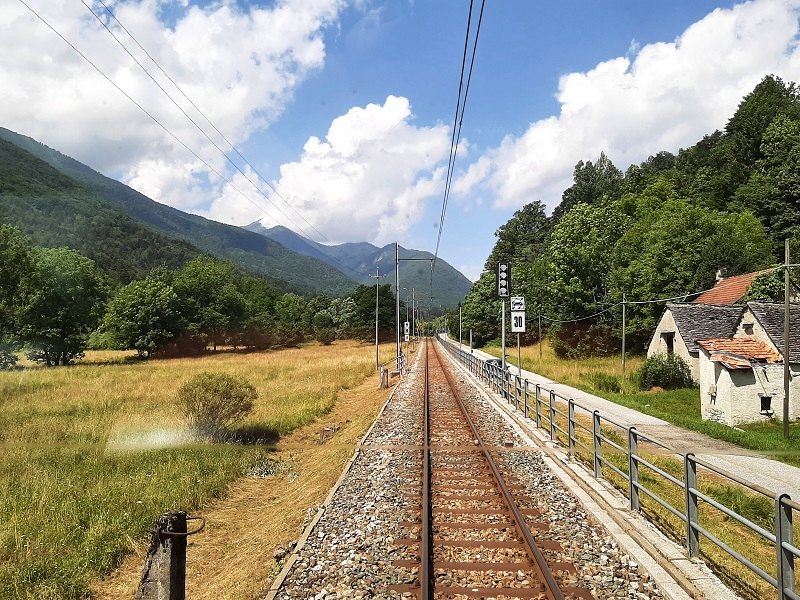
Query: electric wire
{"x": 458, "y": 120}
{"x": 202, "y": 114}
{"x": 233, "y": 186}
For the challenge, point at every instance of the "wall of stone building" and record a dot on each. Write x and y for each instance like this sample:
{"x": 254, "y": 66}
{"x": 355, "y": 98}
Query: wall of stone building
{"x": 658, "y": 346}
{"x": 737, "y": 399}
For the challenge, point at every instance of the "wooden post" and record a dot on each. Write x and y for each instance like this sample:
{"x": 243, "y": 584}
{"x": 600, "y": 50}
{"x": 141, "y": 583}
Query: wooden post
{"x": 164, "y": 573}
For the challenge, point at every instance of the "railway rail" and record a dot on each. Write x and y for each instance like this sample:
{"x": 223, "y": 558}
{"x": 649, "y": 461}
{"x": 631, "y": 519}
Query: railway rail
{"x": 475, "y": 534}
{"x": 369, "y": 539}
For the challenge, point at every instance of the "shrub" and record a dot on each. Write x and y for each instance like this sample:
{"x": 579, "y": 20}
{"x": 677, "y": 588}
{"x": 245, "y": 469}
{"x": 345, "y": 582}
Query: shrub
{"x": 605, "y": 382}
{"x": 667, "y": 371}
{"x": 7, "y": 360}
{"x": 213, "y": 402}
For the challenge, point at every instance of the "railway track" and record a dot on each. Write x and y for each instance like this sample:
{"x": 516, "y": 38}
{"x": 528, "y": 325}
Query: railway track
{"x": 475, "y": 532}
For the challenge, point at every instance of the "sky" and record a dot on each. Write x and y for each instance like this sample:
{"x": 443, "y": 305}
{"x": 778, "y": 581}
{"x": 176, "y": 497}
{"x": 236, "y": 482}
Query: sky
{"x": 341, "y": 111}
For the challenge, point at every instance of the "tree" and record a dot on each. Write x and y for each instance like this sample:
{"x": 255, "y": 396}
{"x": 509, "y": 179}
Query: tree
{"x": 364, "y": 319}
{"x": 15, "y": 266}
{"x": 592, "y": 182}
{"x": 324, "y": 330}
{"x": 522, "y": 238}
{"x": 144, "y": 316}
{"x": 210, "y": 301}
{"x": 343, "y": 313}
{"x": 64, "y": 301}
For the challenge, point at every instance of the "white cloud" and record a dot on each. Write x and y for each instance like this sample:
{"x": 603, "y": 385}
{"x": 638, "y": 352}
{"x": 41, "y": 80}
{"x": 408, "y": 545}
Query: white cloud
{"x": 664, "y": 97}
{"x": 239, "y": 66}
{"x": 370, "y": 177}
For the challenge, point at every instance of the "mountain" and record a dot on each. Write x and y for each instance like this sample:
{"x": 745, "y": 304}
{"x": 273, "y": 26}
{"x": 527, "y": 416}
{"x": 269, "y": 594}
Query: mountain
{"x": 67, "y": 203}
{"x": 359, "y": 260}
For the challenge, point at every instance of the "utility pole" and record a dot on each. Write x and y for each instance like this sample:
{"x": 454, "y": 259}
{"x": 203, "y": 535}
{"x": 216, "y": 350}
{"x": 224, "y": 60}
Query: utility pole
{"x": 397, "y": 297}
{"x": 459, "y": 326}
{"x": 624, "y": 305}
{"x": 786, "y": 318}
{"x": 414, "y": 317}
{"x": 377, "y": 278}
{"x": 541, "y": 342}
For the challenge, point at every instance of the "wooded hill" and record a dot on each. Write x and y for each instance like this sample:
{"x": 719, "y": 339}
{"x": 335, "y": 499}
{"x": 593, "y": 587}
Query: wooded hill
{"x": 659, "y": 230}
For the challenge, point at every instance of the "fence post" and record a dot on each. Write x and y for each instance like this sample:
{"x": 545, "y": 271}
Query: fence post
{"x": 527, "y": 397}
{"x": 518, "y": 388}
{"x": 571, "y": 427}
{"x": 538, "y": 403}
{"x": 692, "y": 535}
{"x": 164, "y": 573}
{"x": 598, "y": 456}
{"x": 552, "y": 415}
{"x": 783, "y": 533}
{"x": 633, "y": 467}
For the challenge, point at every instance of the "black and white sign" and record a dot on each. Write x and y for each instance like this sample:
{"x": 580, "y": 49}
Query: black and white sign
{"x": 517, "y": 321}
{"x": 517, "y": 303}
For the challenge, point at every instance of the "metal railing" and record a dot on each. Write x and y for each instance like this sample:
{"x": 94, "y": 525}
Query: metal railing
{"x": 615, "y": 449}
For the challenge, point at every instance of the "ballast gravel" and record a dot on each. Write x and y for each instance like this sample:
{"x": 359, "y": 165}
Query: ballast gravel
{"x": 350, "y": 552}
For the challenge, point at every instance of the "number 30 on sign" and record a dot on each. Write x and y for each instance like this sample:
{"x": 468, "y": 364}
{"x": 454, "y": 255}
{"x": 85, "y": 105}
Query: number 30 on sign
{"x": 517, "y": 321}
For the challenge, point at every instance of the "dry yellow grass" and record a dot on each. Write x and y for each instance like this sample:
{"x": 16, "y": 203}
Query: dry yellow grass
{"x": 103, "y": 448}
{"x": 233, "y": 557}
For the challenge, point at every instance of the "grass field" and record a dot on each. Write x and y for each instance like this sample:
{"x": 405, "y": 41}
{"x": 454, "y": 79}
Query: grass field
{"x": 92, "y": 453}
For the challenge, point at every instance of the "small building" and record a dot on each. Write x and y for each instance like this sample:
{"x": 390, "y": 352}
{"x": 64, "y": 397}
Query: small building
{"x": 741, "y": 381}
{"x": 728, "y": 290}
{"x": 741, "y": 378}
{"x": 683, "y": 323}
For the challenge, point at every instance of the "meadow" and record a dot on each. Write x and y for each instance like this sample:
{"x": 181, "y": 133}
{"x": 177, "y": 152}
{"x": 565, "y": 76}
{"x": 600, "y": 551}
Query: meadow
{"x": 92, "y": 453}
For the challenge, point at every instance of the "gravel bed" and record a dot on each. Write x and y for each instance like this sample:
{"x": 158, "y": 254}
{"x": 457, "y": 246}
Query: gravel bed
{"x": 351, "y": 551}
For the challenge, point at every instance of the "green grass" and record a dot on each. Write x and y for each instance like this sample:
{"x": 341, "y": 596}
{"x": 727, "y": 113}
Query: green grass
{"x": 91, "y": 454}
{"x": 600, "y": 375}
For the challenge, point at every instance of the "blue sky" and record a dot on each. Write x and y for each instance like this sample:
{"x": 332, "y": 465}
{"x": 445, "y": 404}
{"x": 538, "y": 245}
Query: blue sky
{"x": 346, "y": 107}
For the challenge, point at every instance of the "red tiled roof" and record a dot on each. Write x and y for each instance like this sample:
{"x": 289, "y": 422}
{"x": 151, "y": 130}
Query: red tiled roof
{"x": 730, "y": 290}
{"x": 728, "y": 350}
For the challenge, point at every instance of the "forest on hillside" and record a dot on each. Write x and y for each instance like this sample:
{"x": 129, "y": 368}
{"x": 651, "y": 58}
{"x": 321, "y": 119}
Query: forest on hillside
{"x": 661, "y": 229}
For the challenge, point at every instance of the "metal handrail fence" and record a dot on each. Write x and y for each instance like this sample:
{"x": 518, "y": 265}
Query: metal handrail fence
{"x": 615, "y": 447}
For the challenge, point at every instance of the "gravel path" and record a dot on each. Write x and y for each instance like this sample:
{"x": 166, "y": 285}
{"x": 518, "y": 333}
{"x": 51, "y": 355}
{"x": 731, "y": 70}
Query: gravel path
{"x": 351, "y": 550}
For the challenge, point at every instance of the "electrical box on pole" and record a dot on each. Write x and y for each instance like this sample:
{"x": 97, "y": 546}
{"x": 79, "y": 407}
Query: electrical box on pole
{"x": 504, "y": 280}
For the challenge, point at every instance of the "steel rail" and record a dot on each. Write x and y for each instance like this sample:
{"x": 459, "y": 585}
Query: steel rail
{"x": 426, "y": 550}
{"x": 540, "y": 565}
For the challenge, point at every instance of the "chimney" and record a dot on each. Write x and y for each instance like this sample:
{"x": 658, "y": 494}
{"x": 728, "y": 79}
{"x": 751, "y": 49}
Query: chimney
{"x": 719, "y": 275}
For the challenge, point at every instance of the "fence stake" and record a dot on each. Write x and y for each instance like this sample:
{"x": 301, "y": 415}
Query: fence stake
{"x": 571, "y": 426}
{"x": 527, "y": 396}
{"x": 692, "y": 535}
{"x": 633, "y": 467}
{"x": 783, "y": 534}
{"x": 552, "y": 415}
{"x": 598, "y": 456}
{"x": 164, "y": 573}
{"x": 538, "y": 402}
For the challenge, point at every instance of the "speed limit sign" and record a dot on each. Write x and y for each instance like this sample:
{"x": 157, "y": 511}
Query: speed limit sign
{"x": 517, "y": 321}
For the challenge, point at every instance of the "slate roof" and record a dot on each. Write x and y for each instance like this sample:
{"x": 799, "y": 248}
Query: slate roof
{"x": 704, "y": 321}
{"x": 729, "y": 290}
{"x": 736, "y": 353}
{"x": 770, "y": 316}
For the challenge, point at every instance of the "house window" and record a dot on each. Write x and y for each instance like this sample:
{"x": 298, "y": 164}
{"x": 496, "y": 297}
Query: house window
{"x": 748, "y": 328}
{"x": 668, "y": 337}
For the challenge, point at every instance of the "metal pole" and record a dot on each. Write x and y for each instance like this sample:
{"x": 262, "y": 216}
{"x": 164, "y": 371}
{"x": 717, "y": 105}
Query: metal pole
{"x": 519, "y": 357}
{"x": 541, "y": 342}
{"x": 459, "y": 326}
{"x": 414, "y": 317}
{"x": 377, "y": 277}
{"x": 397, "y": 296}
{"x": 786, "y": 318}
{"x": 470, "y": 340}
{"x": 503, "y": 317}
{"x": 624, "y": 304}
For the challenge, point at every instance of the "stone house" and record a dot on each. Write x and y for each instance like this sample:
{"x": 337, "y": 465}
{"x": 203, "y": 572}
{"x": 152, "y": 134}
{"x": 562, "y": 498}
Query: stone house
{"x": 683, "y": 323}
{"x": 741, "y": 376}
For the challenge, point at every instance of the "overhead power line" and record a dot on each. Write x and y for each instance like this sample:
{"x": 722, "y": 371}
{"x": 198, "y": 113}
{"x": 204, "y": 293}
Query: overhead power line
{"x": 152, "y": 117}
{"x": 458, "y": 119}
{"x": 202, "y": 114}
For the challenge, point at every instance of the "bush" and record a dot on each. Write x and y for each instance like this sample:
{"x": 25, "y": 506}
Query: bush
{"x": 667, "y": 371}
{"x": 8, "y": 360}
{"x": 213, "y": 402}
{"x": 605, "y": 382}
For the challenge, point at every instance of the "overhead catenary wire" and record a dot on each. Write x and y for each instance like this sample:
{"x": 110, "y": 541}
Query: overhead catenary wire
{"x": 170, "y": 133}
{"x": 458, "y": 119}
{"x": 202, "y": 114}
